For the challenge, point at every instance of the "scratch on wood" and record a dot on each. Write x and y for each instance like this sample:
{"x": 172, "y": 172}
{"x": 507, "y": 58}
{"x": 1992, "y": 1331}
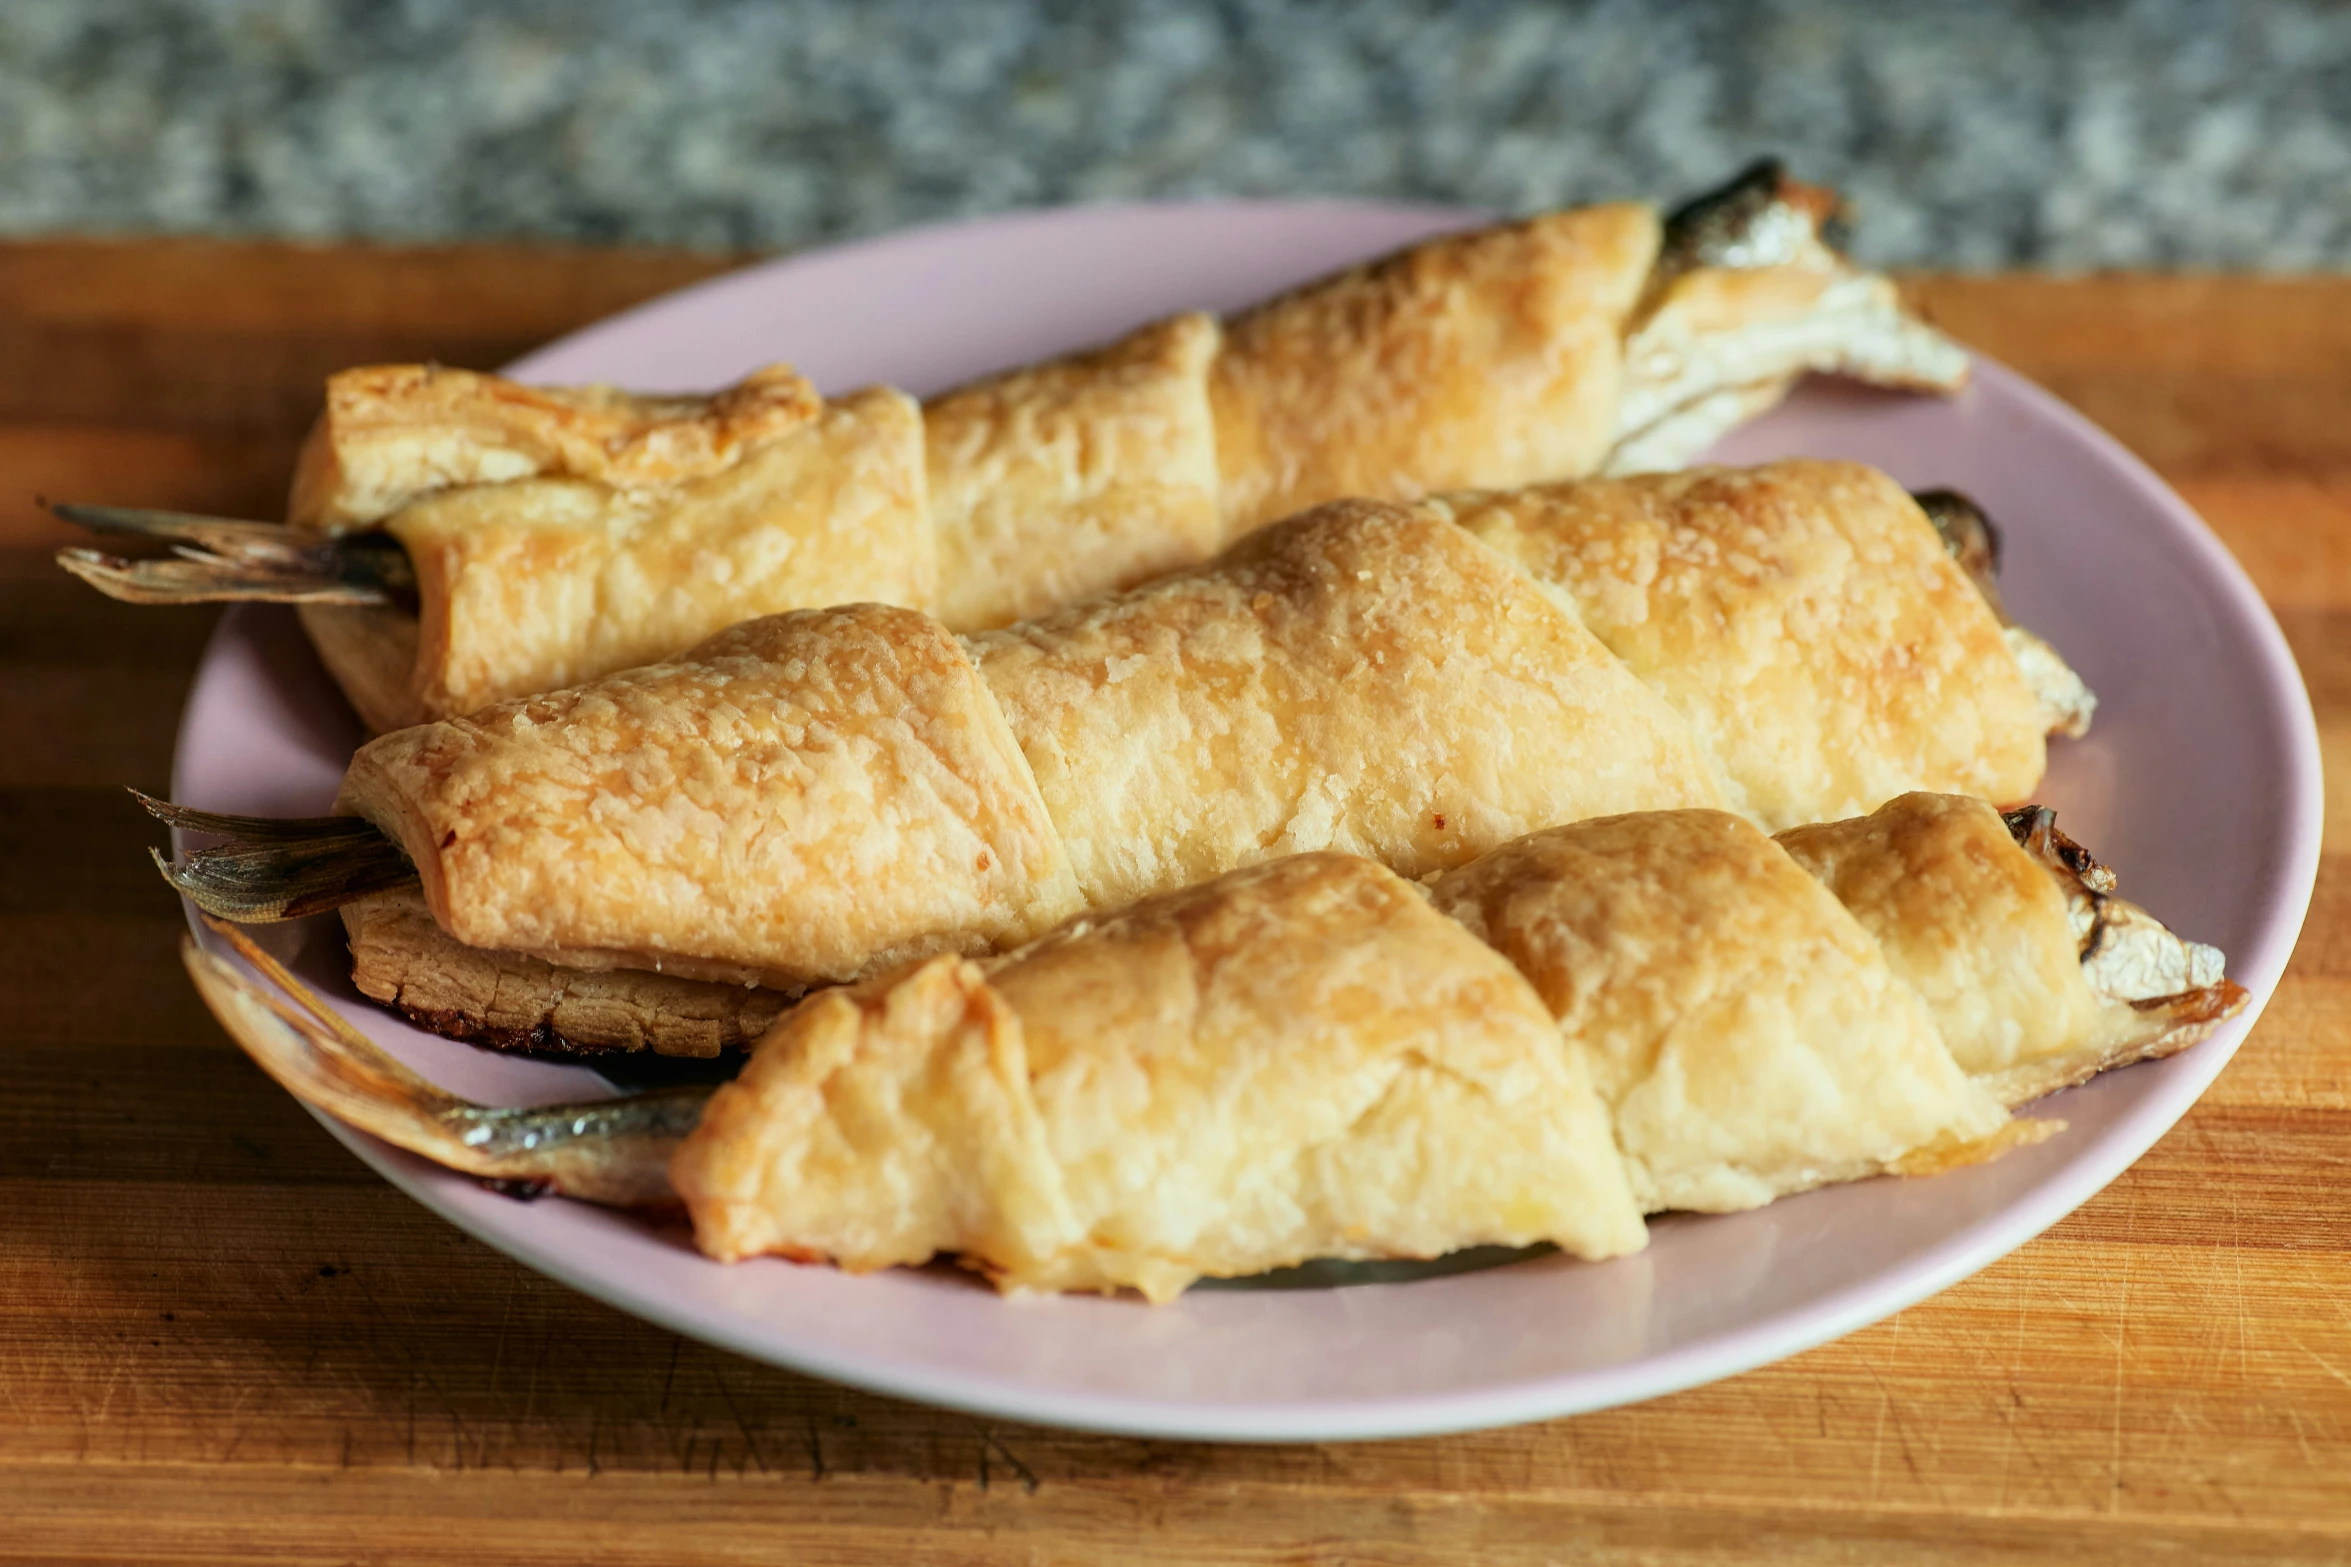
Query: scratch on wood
{"x": 816, "y": 1465}
{"x": 2008, "y": 1432}
{"x": 1877, "y": 1436}
{"x": 2122, "y": 1335}
{"x": 669, "y": 1377}
{"x": 989, "y": 1440}
{"x": 750, "y": 1442}
{"x": 2324, "y": 1364}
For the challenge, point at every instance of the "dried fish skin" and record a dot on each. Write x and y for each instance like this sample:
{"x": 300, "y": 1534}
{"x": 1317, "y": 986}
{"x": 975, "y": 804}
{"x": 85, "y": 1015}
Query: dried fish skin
{"x": 1759, "y": 217}
{"x": 2127, "y": 954}
{"x": 1971, "y": 537}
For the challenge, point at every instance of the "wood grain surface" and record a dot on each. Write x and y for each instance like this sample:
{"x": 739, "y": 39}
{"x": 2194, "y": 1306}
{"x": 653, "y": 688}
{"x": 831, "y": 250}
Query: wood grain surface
{"x": 223, "y": 1339}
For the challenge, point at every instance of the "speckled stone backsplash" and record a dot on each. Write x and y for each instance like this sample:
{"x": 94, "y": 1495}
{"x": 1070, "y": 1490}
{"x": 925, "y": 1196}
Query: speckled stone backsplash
{"x": 2155, "y": 134}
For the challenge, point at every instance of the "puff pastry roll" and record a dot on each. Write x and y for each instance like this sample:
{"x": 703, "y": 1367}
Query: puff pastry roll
{"x": 539, "y": 537}
{"x": 1306, "y": 1059}
{"x": 1299, "y": 1060}
{"x": 575, "y": 569}
{"x": 812, "y": 796}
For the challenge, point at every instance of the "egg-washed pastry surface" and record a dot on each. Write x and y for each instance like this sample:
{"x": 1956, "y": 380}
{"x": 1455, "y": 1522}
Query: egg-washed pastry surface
{"x": 1054, "y": 482}
{"x": 540, "y": 583}
{"x": 1365, "y": 678}
{"x": 393, "y": 434}
{"x": 559, "y": 534}
{"x": 1494, "y": 353}
{"x": 811, "y": 794}
{"x": 1315, "y": 1058}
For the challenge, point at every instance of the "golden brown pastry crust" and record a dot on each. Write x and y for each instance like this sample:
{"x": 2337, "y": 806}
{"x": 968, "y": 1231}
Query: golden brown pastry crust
{"x": 1488, "y": 358}
{"x": 1302, "y": 1060}
{"x": 1074, "y": 477}
{"x": 1365, "y": 678}
{"x": 507, "y": 1001}
{"x": 1746, "y": 1033}
{"x": 392, "y": 434}
{"x": 541, "y": 583}
{"x": 800, "y": 799}
{"x": 1802, "y": 616}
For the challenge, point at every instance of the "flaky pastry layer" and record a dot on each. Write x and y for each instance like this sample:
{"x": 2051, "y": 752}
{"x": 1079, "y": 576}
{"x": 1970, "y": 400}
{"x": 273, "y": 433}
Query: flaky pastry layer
{"x": 1301, "y": 1060}
{"x": 804, "y": 798}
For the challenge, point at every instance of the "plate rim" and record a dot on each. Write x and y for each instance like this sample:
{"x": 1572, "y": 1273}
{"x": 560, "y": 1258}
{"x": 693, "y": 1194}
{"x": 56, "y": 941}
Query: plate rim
{"x": 1773, "y": 1337}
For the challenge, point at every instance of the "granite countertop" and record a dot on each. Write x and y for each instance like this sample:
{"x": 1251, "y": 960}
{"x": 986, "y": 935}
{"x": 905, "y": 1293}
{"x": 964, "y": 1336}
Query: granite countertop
{"x": 2163, "y": 133}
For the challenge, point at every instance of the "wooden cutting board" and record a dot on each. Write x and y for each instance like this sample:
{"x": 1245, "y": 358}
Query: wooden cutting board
{"x": 222, "y": 1338}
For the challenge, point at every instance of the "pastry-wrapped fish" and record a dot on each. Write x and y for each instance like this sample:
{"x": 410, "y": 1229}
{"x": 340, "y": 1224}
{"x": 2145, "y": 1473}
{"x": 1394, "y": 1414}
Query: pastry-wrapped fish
{"x": 1301, "y": 1059}
{"x": 1806, "y": 618}
{"x": 812, "y": 797}
{"x": 458, "y": 539}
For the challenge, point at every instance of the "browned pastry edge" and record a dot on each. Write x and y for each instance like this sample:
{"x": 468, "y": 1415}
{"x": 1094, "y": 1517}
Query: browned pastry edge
{"x": 407, "y": 964}
{"x": 469, "y": 1030}
{"x": 391, "y": 433}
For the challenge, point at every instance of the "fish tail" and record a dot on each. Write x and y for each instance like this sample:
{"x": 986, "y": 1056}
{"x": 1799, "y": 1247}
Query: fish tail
{"x": 221, "y": 560}
{"x": 274, "y": 868}
{"x": 612, "y": 1151}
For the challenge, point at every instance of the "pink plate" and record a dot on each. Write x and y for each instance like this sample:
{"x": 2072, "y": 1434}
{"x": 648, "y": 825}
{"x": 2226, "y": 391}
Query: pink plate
{"x": 2200, "y": 784}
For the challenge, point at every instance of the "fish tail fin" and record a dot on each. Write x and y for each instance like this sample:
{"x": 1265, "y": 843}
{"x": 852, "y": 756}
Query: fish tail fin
{"x": 614, "y": 1151}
